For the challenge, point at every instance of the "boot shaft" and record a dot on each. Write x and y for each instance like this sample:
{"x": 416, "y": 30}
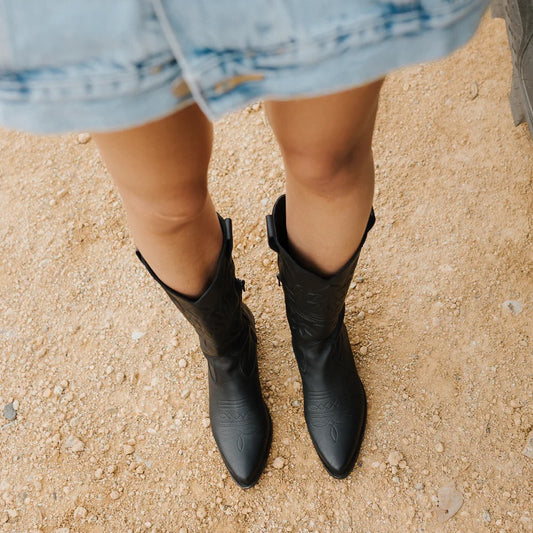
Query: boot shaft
{"x": 314, "y": 304}
{"x": 217, "y": 315}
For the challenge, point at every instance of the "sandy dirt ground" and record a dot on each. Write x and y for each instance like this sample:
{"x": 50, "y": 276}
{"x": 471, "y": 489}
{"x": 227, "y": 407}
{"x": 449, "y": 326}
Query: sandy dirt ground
{"x": 109, "y": 387}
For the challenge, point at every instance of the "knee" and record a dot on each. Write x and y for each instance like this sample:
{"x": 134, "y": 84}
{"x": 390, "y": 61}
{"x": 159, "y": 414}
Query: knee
{"x": 331, "y": 171}
{"x": 173, "y": 212}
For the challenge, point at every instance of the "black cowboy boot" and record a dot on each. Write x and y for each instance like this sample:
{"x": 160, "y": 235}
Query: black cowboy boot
{"x": 240, "y": 420}
{"x": 334, "y": 397}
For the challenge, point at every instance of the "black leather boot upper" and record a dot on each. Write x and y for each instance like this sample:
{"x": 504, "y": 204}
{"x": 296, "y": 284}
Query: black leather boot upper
{"x": 334, "y": 397}
{"x": 239, "y": 417}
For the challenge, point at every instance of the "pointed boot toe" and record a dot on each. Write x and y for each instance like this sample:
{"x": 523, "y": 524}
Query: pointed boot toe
{"x": 240, "y": 420}
{"x": 243, "y": 437}
{"x": 336, "y": 424}
{"x": 334, "y": 404}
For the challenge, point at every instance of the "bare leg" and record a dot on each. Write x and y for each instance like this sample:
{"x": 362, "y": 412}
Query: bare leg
{"x": 160, "y": 170}
{"x": 326, "y": 146}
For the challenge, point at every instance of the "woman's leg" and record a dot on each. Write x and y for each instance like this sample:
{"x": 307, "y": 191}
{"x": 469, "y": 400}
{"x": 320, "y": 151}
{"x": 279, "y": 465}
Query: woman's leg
{"x": 316, "y": 230}
{"x": 160, "y": 170}
{"x": 326, "y": 147}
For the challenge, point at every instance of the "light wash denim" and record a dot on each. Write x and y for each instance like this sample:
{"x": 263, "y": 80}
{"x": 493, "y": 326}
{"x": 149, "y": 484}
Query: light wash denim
{"x": 99, "y": 65}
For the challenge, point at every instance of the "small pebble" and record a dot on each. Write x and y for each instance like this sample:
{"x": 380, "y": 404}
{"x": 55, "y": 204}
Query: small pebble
{"x": 474, "y": 90}
{"x": 84, "y": 138}
{"x": 206, "y": 422}
{"x": 182, "y": 363}
{"x": 136, "y": 335}
{"x": 278, "y": 462}
{"x": 528, "y": 450}
{"x": 419, "y": 486}
{"x": 115, "y": 495}
{"x": 526, "y": 522}
{"x": 74, "y": 444}
{"x": 394, "y": 458}
{"x": 119, "y": 377}
{"x": 185, "y": 393}
{"x": 361, "y": 315}
{"x": 98, "y": 473}
{"x": 363, "y": 350}
{"x": 201, "y": 513}
{"x": 10, "y": 412}
{"x": 439, "y": 447}
{"x": 486, "y": 516}
{"x": 80, "y": 513}
{"x": 513, "y": 306}
{"x": 266, "y": 262}
{"x": 128, "y": 449}
{"x": 450, "y": 501}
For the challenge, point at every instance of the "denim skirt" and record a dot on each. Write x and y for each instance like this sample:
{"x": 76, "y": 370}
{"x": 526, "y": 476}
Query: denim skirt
{"x": 101, "y": 65}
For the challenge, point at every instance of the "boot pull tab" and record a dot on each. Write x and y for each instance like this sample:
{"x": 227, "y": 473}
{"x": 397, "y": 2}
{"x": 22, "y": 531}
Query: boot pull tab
{"x": 228, "y": 235}
{"x": 271, "y": 232}
{"x": 278, "y": 277}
